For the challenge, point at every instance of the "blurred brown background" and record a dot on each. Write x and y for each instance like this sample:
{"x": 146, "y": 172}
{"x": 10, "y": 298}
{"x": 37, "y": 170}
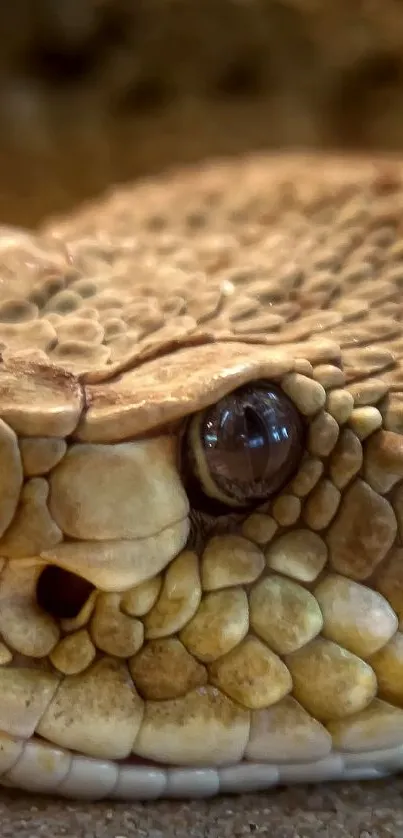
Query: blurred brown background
{"x": 95, "y": 91}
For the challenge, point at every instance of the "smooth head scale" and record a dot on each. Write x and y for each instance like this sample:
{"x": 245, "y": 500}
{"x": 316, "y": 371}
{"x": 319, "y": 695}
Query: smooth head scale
{"x": 201, "y": 485}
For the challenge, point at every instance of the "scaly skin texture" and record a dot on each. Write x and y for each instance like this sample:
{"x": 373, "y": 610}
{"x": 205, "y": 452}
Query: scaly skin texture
{"x": 151, "y": 647}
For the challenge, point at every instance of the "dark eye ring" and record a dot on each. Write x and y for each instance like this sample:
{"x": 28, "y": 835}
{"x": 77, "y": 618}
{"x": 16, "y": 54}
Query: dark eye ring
{"x": 246, "y": 447}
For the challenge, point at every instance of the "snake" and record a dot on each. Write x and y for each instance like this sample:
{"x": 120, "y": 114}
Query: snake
{"x": 201, "y": 483}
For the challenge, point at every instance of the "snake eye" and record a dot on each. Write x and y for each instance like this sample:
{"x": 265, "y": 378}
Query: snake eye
{"x": 243, "y": 449}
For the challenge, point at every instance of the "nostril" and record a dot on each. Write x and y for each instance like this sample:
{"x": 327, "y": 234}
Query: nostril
{"x": 61, "y": 593}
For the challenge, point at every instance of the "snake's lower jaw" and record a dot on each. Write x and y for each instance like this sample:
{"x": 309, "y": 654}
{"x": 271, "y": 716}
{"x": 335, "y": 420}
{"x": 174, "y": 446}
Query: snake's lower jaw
{"x": 219, "y": 748}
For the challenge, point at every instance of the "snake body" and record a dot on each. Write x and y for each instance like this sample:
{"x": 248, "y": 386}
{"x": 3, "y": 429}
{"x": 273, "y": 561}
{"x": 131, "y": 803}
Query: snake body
{"x": 169, "y": 624}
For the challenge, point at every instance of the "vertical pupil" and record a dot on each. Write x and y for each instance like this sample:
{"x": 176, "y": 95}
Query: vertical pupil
{"x": 255, "y": 430}
{"x": 256, "y": 445}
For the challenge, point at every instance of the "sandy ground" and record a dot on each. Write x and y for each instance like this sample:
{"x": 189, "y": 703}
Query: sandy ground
{"x": 367, "y": 810}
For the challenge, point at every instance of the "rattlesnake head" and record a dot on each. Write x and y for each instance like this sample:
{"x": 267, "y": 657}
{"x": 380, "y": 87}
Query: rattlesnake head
{"x": 201, "y": 498}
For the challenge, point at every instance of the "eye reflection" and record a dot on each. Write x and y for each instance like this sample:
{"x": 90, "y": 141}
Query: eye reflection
{"x": 247, "y": 446}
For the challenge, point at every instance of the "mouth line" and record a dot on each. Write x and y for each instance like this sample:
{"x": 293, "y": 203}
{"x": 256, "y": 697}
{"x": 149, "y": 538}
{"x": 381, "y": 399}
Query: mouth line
{"x": 36, "y": 766}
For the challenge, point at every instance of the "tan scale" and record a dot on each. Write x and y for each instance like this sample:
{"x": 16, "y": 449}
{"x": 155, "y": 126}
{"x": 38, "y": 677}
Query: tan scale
{"x": 286, "y": 510}
{"x": 259, "y": 528}
{"x": 321, "y": 506}
{"x": 284, "y": 614}
{"x": 137, "y": 601}
{"x": 23, "y": 624}
{"x": 6, "y": 655}
{"x": 346, "y": 459}
{"x": 286, "y": 732}
{"x": 387, "y": 664}
{"x": 220, "y": 623}
{"x": 39, "y": 456}
{"x": 309, "y": 473}
{"x": 74, "y": 653}
{"x": 339, "y": 404}
{"x": 356, "y": 617}
{"x": 299, "y": 553}
{"x": 365, "y": 420}
{"x": 179, "y": 598}
{"x": 32, "y": 530}
{"x": 152, "y": 669}
{"x": 251, "y": 674}
{"x": 112, "y": 631}
{"x": 323, "y": 434}
{"x": 230, "y": 560}
{"x": 154, "y": 616}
